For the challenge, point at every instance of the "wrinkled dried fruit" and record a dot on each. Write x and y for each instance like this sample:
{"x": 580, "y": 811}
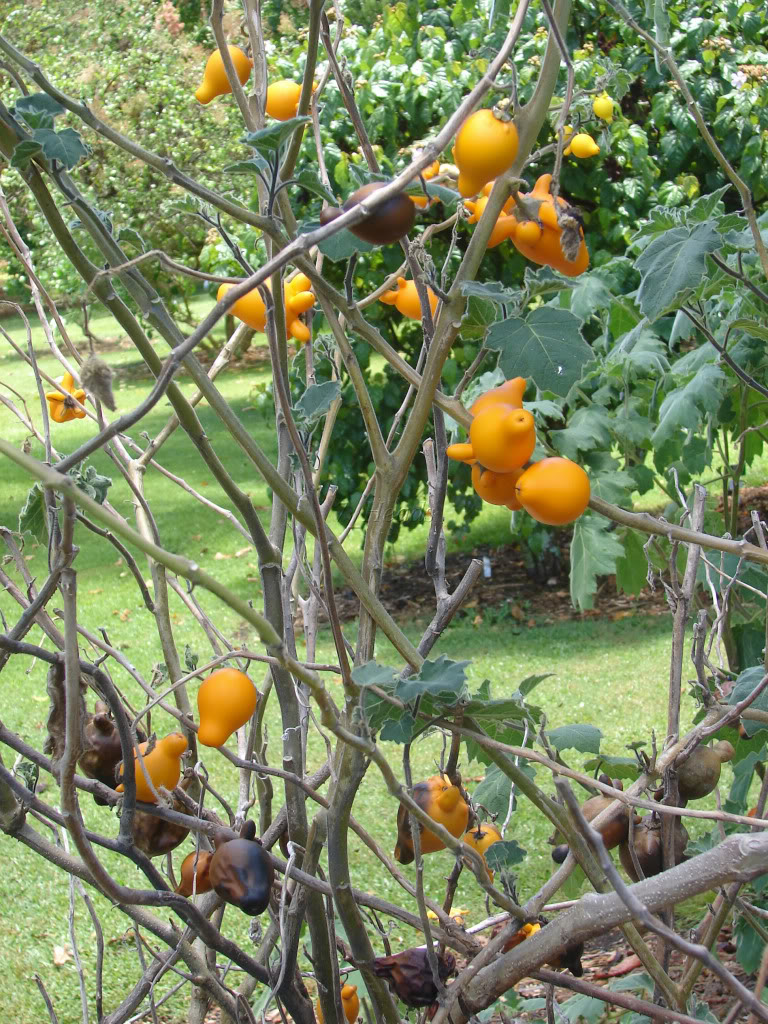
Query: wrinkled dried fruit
{"x": 409, "y": 976}
{"x": 103, "y": 752}
{"x": 646, "y": 839}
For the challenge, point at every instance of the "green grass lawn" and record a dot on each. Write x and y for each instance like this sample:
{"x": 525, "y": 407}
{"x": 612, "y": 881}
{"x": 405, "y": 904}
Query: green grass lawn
{"x": 610, "y": 674}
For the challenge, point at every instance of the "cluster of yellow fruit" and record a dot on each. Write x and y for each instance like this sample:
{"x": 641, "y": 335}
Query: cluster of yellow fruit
{"x": 541, "y": 226}
{"x": 502, "y": 437}
{"x": 282, "y": 97}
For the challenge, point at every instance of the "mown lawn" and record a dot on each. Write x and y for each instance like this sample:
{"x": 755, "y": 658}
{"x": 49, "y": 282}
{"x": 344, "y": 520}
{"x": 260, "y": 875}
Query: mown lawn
{"x": 608, "y": 673}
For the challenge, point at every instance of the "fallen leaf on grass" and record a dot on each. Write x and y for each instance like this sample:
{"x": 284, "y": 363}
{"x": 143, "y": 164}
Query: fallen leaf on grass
{"x": 62, "y": 955}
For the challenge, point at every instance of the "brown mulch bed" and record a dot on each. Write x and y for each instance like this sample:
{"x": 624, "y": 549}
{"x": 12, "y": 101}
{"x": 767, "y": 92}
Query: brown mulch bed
{"x": 407, "y": 591}
{"x": 750, "y": 498}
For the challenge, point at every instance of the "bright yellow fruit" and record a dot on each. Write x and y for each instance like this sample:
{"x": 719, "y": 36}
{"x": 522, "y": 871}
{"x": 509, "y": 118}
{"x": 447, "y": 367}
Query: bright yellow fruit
{"x": 485, "y": 147}
{"x": 603, "y": 107}
{"x": 554, "y": 491}
{"x": 215, "y": 81}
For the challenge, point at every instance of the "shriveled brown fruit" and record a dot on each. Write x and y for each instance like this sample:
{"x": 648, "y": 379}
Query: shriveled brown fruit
{"x": 646, "y": 839}
{"x": 698, "y": 776}
{"x": 156, "y": 837}
{"x": 409, "y": 976}
{"x": 242, "y": 873}
{"x": 196, "y": 862}
{"x": 390, "y": 221}
{"x": 103, "y": 752}
{"x": 613, "y": 831}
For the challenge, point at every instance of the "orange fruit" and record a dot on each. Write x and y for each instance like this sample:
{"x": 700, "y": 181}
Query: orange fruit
{"x": 554, "y": 491}
{"x": 485, "y": 147}
{"x": 215, "y": 81}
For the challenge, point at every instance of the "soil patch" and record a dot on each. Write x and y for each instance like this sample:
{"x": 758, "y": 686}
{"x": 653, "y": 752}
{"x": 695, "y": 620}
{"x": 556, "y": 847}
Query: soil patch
{"x": 508, "y": 588}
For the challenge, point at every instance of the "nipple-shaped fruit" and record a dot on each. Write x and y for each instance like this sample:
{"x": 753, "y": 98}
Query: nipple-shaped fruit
{"x": 215, "y": 81}
{"x": 225, "y": 701}
{"x": 249, "y": 308}
{"x": 162, "y": 765}
{"x": 405, "y": 299}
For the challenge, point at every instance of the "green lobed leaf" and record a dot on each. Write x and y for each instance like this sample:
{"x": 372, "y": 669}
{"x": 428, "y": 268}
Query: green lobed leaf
{"x": 317, "y": 400}
{"x": 399, "y": 728}
{"x": 587, "y": 428}
{"x": 749, "y": 945}
{"x": 673, "y": 264}
{"x": 744, "y": 685}
{"x": 268, "y": 140}
{"x": 310, "y": 180}
{"x": 585, "y": 738}
{"x": 504, "y": 854}
{"x": 91, "y": 482}
{"x": 66, "y": 146}
{"x": 546, "y": 346}
{"x": 442, "y": 678}
{"x": 631, "y": 565}
{"x": 582, "y": 1008}
{"x": 38, "y": 109}
{"x": 24, "y": 152}
{"x": 615, "y": 766}
{"x": 340, "y": 246}
{"x": 478, "y": 316}
{"x": 33, "y": 516}
{"x": 494, "y": 791}
{"x": 494, "y": 291}
{"x": 594, "y": 551}
{"x": 687, "y": 406}
{"x": 132, "y": 237}
{"x": 373, "y": 674}
{"x": 257, "y": 166}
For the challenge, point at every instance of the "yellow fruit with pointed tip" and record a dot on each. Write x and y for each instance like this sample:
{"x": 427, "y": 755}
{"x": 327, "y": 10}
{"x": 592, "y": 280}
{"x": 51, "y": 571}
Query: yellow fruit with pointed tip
{"x": 554, "y": 491}
{"x": 509, "y": 393}
{"x": 502, "y": 438}
{"x": 583, "y": 146}
{"x": 162, "y": 765}
{"x": 548, "y": 250}
{"x": 297, "y": 298}
{"x": 215, "y": 81}
{"x": 405, "y": 299}
{"x": 225, "y": 701}
{"x": 481, "y": 838}
{"x": 603, "y": 107}
{"x": 485, "y": 147}
{"x": 60, "y": 407}
{"x": 283, "y": 99}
